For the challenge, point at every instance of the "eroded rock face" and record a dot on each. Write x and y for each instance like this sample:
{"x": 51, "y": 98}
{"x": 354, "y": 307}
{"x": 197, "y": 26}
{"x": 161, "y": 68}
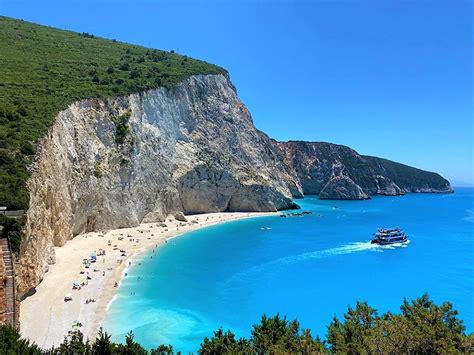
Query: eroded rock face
{"x": 342, "y": 188}
{"x": 338, "y": 172}
{"x": 191, "y": 149}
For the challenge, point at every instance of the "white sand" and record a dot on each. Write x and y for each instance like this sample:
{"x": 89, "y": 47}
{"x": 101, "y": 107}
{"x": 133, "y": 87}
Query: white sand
{"x": 45, "y": 317}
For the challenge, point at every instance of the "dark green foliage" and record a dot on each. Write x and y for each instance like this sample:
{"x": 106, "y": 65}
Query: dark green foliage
{"x": 125, "y": 67}
{"x": 102, "y": 344}
{"x": 273, "y": 335}
{"x": 224, "y": 343}
{"x": 433, "y": 328}
{"x": 363, "y": 170}
{"x": 135, "y": 73}
{"x": 130, "y": 347}
{"x": 86, "y": 35}
{"x": 162, "y": 350}
{"x": 348, "y": 337}
{"x": 27, "y": 148}
{"x": 74, "y": 344}
{"x": 406, "y": 176}
{"x": 12, "y": 229}
{"x": 12, "y": 343}
{"x": 278, "y": 335}
{"x": 43, "y": 70}
{"x": 421, "y": 328}
{"x": 121, "y": 127}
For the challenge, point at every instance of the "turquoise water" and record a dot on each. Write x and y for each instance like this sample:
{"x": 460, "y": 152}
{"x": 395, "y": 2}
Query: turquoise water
{"x": 308, "y": 267}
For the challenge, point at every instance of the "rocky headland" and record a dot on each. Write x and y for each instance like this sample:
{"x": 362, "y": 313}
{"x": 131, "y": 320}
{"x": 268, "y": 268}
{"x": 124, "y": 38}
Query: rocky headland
{"x": 335, "y": 171}
{"x": 114, "y": 135}
{"x": 192, "y": 149}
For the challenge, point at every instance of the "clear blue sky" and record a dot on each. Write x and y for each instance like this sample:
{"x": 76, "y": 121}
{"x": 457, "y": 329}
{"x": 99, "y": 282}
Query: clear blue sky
{"x": 387, "y": 78}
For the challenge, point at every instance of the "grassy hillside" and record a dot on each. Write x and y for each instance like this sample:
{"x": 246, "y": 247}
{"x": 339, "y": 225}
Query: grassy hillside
{"x": 44, "y": 69}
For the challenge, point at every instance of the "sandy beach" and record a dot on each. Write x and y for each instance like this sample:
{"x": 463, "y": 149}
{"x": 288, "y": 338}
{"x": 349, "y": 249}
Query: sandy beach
{"x": 46, "y": 318}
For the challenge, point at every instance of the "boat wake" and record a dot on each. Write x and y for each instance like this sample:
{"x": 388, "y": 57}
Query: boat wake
{"x": 395, "y": 245}
{"x": 350, "y": 248}
{"x": 325, "y": 253}
{"x": 470, "y": 216}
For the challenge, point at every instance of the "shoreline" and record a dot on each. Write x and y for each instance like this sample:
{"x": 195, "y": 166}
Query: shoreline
{"x": 45, "y": 318}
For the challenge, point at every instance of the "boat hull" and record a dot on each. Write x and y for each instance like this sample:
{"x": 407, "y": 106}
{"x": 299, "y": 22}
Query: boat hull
{"x": 388, "y": 242}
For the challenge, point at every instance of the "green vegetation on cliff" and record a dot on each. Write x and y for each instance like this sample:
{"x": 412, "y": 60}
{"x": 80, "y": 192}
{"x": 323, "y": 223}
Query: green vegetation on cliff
{"x": 43, "y": 70}
{"x": 12, "y": 230}
{"x": 422, "y": 327}
{"x": 406, "y": 176}
{"x": 316, "y": 162}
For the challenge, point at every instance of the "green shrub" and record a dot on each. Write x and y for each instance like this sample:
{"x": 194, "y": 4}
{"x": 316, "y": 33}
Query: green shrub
{"x": 27, "y": 148}
{"x": 125, "y": 67}
{"x": 12, "y": 343}
{"x": 121, "y": 127}
{"x": 421, "y": 328}
{"x": 12, "y": 229}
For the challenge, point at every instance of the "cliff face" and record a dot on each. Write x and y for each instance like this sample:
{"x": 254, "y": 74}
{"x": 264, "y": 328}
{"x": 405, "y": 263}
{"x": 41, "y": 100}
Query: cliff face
{"x": 139, "y": 158}
{"x": 338, "y": 172}
{"x": 193, "y": 149}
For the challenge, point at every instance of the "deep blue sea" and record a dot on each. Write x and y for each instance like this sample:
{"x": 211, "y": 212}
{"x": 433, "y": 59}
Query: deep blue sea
{"x": 308, "y": 268}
